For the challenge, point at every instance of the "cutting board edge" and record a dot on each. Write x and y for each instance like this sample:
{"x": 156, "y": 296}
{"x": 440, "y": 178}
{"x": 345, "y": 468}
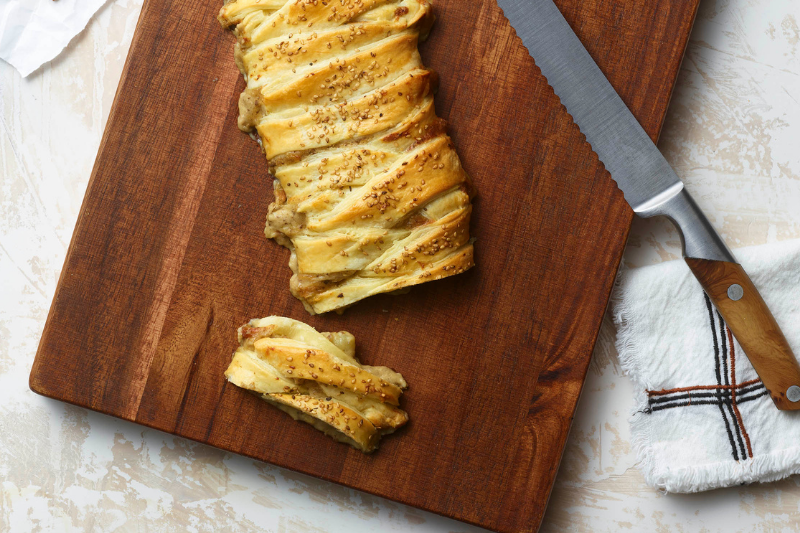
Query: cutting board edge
{"x": 323, "y": 477}
{"x": 584, "y": 371}
{"x": 34, "y": 379}
{"x": 655, "y": 137}
{"x": 677, "y": 70}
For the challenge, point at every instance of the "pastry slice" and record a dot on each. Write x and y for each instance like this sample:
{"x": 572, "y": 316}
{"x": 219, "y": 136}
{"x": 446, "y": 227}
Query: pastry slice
{"x": 370, "y": 194}
{"x": 316, "y": 378}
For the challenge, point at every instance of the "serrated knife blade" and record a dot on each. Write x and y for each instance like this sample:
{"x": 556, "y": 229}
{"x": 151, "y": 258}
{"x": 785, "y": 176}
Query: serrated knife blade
{"x": 615, "y": 135}
{"x": 652, "y": 188}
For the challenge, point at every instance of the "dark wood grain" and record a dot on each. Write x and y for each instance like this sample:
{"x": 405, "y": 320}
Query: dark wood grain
{"x": 753, "y": 325}
{"x": 168, "y": 258}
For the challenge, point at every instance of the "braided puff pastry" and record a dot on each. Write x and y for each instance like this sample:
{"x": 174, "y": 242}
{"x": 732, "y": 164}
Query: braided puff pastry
{"x": 316, "y": 378}
{"x": 370, "y": 195}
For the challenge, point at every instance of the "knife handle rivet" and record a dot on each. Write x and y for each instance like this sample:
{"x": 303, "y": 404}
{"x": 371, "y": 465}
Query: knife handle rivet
{"x": 793, "y": 394}
{"x": 735, "y": 293}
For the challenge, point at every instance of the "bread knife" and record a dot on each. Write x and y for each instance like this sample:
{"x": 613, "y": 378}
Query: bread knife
{"x": 652, "y": 188}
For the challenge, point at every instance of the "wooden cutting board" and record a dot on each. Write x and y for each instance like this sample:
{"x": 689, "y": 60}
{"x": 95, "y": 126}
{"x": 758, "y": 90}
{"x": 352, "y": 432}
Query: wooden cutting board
{"x": 168, "y": 259}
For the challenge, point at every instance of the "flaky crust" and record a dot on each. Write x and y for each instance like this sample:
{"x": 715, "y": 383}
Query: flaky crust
{"x": 370, "y": 195}
{"x": 316, "y": 378}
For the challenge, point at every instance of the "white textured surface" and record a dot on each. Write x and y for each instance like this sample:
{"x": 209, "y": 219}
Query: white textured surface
{"x": 732, "y": 134}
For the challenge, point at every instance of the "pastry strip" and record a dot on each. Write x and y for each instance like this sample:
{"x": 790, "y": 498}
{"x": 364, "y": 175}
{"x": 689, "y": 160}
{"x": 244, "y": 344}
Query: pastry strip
{"x": 370, "y": 195}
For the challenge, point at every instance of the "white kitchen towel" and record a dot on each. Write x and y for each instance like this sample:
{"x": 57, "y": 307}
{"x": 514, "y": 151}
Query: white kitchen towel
{"x": 32, "y": 32}
{"x": 703, "y": 419}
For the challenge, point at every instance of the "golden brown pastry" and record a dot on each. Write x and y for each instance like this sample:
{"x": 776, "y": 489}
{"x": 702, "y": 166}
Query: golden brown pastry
{"x": 315, "y": 377}
{"x": 370, "y": 195}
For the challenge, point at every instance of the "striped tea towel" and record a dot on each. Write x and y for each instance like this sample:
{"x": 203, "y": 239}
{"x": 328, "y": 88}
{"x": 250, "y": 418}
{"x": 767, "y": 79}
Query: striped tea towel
{"x": 703, "y": 419}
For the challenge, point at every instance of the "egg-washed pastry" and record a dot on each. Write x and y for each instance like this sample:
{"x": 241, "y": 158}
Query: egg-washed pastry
{"x": 315, "y": 377}
{"x": 370, "y": 195}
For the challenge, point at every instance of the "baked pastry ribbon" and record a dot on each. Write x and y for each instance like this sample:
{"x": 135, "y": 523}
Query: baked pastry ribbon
{"x": 316, "y": 378}
{"x": 370, "y": 195}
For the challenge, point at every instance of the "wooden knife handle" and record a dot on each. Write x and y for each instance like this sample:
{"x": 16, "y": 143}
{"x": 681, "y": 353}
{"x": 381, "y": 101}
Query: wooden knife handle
{"x": 752, "y": 323}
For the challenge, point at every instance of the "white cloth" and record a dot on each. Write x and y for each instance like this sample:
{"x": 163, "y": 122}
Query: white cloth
{"x": 33, "y": 32}
{"x": 670, "y": 339}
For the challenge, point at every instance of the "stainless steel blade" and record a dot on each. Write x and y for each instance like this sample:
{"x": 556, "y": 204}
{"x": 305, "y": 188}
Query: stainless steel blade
{"x": 649, "y": 184}
{"x": 614, "y": 133}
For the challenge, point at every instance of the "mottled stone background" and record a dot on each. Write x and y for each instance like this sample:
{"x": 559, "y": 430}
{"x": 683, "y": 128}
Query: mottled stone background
{"x": 732, "y": 134}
